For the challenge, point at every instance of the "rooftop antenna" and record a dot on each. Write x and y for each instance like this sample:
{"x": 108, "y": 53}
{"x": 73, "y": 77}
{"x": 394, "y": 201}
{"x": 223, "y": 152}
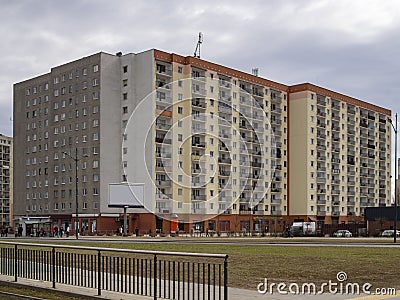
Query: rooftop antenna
{"x": 199, "y": 42}
{"x": 254, "y": 71}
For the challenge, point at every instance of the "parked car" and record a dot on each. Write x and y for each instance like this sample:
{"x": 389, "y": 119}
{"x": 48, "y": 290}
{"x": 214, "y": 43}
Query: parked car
{"x": 390, "y": 233}
{"x": 343, "y": 233}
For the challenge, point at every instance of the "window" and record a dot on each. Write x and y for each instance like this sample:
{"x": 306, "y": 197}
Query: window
{"x": 180, "y": 192}
{"x": 125, "y": 82}
{"x": 95, "y": 82}
{"x": 95, "y": 123}
{"x": 180, "y": 70}
{"x": 95, "y": 177}
{"x": 95, "y": 136}
{"x": 95, "y": 164}
{"x": 179, "y": 178}
{"x": 125, "y": 109}
{"x": 125, "y": 69}
{"x": 95, "y": 68}
{"x": 180, "y": 110}
{"x": 125, "y": 96}
{"x": 180, "y": 137}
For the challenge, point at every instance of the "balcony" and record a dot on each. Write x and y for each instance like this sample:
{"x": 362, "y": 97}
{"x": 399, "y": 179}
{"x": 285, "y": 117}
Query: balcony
{"x": 276, "y": 201}
{"x": 321, "y": 114}
{"x": 163, "y": 154}
{"x": 160, "y": 167}
{"x": 224, "y": 84}
{"x": 163, "y": 183}
{"x": 223, "y": 160}
{"x": 197, "y": 90}
{"x": 276, "y": 111}
{"x": 199, "y": 117}
{"x": 163, "y": 85}
{"x": 257, "y": 92}
{"x": 200, "y": 103}
{"x": 163, "y": 70}
{"x": 162, "y": 140}
{"x": 163, "y": 98}
{"x": 351, "y": 192}
{"x": 199, "y": 144}
{"x": 199, "y": 183}
{"x": 256, "y": 164}
{"x": 335, "y": 106}
{"x": 164, "y": 112}
{"x": 198, "y": 197}
{"x": 162, "y": 196}
{"x": 224, "y": 173}
{"x": 163, "y": 126}
{"x": 321, "y": 101}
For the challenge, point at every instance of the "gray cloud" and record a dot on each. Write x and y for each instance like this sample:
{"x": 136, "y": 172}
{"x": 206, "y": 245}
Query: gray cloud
{"x": 350, "y": 47}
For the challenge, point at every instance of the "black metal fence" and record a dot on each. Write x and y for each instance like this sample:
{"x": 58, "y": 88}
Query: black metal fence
{"x": 168, "y": 275}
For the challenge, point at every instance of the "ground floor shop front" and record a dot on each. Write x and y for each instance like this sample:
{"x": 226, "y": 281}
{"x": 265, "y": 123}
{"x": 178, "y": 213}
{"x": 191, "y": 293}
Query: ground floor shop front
{"x": 165, "y": 225}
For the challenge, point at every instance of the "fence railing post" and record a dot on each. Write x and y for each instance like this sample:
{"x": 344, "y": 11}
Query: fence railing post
{"x": 15, "y": 263}
{"x": 226, "y": 278}
{"x": 155, "y": 277}
{"x": 99, "y": 273}
{"x": 53, "y": 262}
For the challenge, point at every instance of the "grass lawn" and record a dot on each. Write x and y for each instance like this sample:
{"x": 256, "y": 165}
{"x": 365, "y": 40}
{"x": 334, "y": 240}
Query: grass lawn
{"x": 36, "y": 292}
{"x": 249, "y": 265}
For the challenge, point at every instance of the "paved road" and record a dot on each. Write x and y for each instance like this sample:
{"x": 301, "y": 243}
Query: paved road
{"x": 308, "y": 242}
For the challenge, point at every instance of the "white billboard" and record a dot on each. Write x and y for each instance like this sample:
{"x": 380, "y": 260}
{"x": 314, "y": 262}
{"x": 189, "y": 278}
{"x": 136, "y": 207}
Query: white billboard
{"x": 126, "y": 194}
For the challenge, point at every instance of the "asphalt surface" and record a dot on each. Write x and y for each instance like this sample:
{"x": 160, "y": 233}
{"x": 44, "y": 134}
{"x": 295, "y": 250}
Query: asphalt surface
{"x": 266, "y": 241}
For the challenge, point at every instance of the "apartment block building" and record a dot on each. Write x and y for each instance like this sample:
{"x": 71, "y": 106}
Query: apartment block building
{"x": 214, "y": 148}
{"x": 340, "y": 155}
{"x": 6, "y": 190}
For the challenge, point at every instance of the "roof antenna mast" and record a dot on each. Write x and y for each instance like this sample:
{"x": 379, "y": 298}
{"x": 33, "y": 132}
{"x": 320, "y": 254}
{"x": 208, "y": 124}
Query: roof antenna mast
{"x": 199, "y": 42}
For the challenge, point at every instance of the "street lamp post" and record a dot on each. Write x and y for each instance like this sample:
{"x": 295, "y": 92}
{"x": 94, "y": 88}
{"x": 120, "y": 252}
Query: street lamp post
{"x": 395, "y": 179}
{"x": 76, "y": 189}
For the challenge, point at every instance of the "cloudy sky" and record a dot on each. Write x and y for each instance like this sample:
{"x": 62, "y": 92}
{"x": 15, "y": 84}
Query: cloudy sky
{"x": 348, "y": 46}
